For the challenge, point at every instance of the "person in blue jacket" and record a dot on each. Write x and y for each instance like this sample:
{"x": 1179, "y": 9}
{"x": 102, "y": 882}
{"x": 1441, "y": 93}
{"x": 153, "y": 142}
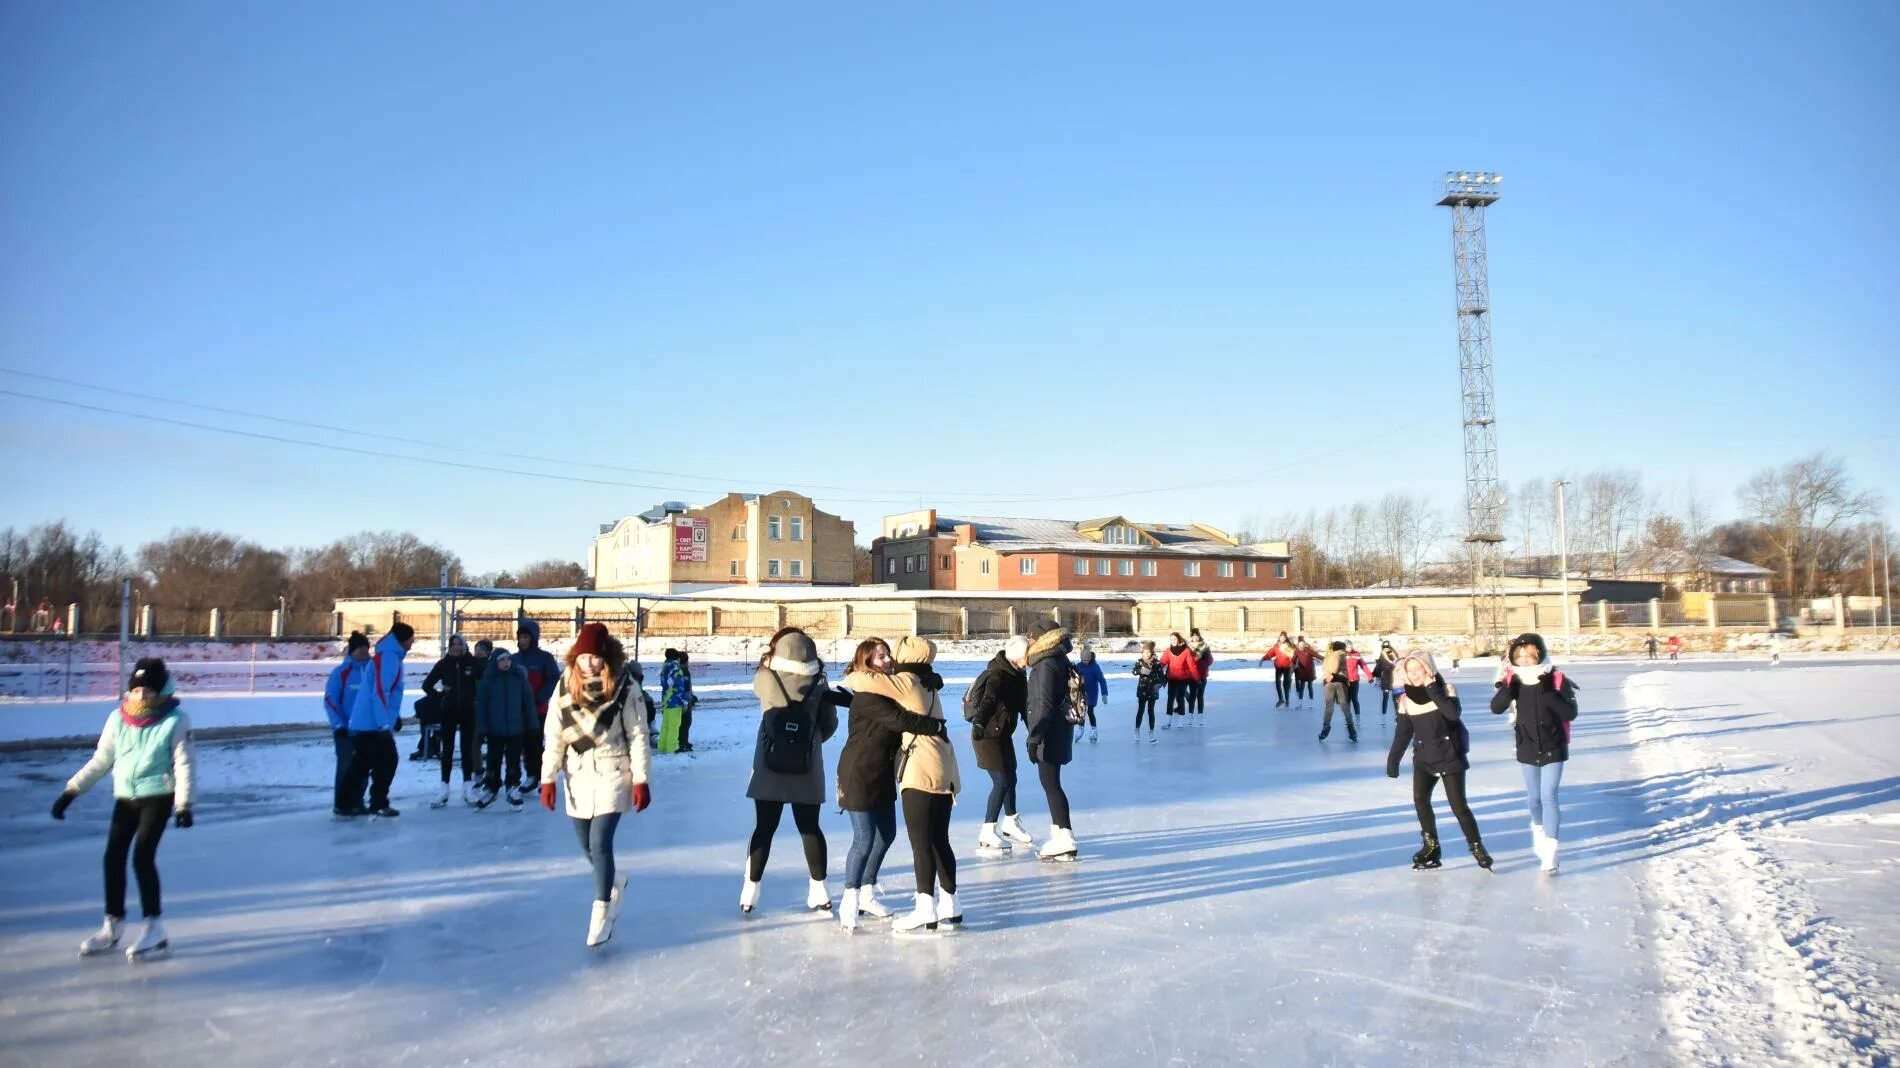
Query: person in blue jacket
{"x": 1094, "y": 684}
{"x": 544, "y": 674}
{"x": 374, "y": 717}
{"x": 504, "y": 715}
{"x": 339, "y": 693}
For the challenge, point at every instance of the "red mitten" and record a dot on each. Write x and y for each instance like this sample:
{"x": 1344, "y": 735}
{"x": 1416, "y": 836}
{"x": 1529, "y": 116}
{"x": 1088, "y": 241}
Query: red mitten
{"x": 547, "y": 796}
{"x": 642, "y": 797}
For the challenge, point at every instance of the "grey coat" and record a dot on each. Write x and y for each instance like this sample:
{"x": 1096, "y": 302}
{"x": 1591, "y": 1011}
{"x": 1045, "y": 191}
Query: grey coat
{"x": 806, "y": 789}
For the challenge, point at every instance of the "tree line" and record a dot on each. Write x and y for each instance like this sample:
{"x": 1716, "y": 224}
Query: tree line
{"x": 197, "y": 570}
{"x": 1805, "y": 520}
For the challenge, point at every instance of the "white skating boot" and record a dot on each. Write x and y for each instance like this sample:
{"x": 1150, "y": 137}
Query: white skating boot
{"x": 1537, "y": 839}
{"x": 107, "y": 938}
{"x": 919, "y": 920}
{"x": 152, "y": 943}
{"x": 472, "y": 793}
{"x": 1549, "y": 856}
{"x": 485, "y": 798}
{"x": 870, "y": 905}
{"x": 600, "y": 924}
{"x": 514, "y": 797}
{"x": 1078, "y": 732}
{"x": 818, "y": 897}
{"x": 1167, "y": 723}
{"x": 619, "y": 898}
{"x": 748, "y": 894}
{"x": 1060, "y": 846}
{"x": 1012, "y": 829}
{"x": 1091, "y": 734}
{"x": 948, "y": 911}
{"x": 848, "y": 909}
{"x": 441, "y": 797}
{"x": 988, "y": 842}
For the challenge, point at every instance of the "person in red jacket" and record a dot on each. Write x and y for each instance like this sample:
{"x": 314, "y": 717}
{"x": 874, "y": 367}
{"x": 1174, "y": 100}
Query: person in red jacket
{"x": 1305, "y": 666}
{"x": 1674, "y": 645}
{"x": 1356, "y": 672}
{"x": 1180, "y": 662}
{"x": 1282, "y": 656}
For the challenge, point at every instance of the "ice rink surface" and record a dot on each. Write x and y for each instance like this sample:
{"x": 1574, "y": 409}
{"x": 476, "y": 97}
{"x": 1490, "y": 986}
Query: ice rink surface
{"x": 1731, "y": 837}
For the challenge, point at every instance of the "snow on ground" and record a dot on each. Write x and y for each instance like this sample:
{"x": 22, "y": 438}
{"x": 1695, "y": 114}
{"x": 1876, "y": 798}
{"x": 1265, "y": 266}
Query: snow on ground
{"x": 1244, "y": 898}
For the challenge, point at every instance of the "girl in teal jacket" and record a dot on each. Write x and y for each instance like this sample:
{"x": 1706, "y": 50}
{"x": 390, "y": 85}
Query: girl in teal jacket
{"x": 146, "y": 745}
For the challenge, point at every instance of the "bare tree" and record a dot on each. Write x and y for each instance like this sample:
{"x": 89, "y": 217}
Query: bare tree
{"x": 1613, "y": 504}
{"x": 544, "y": 575}
{"x": 1799, "y": 505}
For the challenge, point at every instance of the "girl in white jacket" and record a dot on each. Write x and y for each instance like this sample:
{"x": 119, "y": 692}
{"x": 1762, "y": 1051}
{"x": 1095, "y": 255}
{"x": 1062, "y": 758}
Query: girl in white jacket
{"x": 596, "y": 742}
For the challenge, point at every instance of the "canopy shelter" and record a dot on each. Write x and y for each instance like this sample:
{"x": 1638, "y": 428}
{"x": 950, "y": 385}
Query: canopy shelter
{"x": 449, "y": 595}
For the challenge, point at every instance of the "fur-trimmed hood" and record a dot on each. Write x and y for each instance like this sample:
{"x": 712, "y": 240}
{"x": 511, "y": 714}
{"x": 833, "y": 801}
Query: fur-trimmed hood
{"x": 1052, "y": 641}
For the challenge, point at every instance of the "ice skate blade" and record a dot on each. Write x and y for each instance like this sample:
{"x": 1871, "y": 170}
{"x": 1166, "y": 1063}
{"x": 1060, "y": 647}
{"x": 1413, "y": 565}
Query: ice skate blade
{"x": 88, "y": 953}
{"x": 157, "y": 952}
{"x": 1059, "y": 858}
{"x": 926, "y": 931}
{"x": 1432, "y": 866}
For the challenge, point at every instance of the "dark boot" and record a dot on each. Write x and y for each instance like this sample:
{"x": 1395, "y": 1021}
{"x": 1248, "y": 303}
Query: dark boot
{"x": 1324, "y": 731}
{"x": 1427, "y": 856}
{"x": 1480, "y": 854}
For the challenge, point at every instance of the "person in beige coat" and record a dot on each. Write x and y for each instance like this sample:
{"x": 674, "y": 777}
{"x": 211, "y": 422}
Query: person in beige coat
{"x": 595, "y": 744}
{"x": 927, "y": 784}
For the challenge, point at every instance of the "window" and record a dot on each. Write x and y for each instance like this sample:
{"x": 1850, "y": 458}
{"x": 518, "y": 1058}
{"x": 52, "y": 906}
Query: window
{"x": 890, "y": 565}
{"x": 798, "y": 569}
{"x": 1101, "y": 567}
{"x": 944, "y": 561}
{"x": 1191, "y": 569}
{"x": 1224, "y": 569}
{"x": 1250, "y": 570}
{"x": 1026, "y": 565}
{"x": 910, "y": 564}
{"x": 771, "y": 569}
{"x": 1124, "y": 567}
{"x": 738, "y": 532}
{"x": 798, "y": 528}
{"x": 1279, "y": 571}
{"x": 772, "y": 527}
{"x": 1148, "y": 569}
{"x": 984, "y": 567}
{"x": 1081, "y": 566}
{"x": 734, "y": 569}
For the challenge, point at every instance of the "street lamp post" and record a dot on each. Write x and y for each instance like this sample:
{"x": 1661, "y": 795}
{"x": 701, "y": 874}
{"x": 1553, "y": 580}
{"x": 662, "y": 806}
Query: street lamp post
{"x": 1563, "y": 561}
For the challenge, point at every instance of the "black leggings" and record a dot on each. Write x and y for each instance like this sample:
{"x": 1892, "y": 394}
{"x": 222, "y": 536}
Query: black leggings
{"x": 1352, "y": 699}
{"x": 1177, "y": 697}
{"x": 1303, "y": 687}
{"x": 1282, "y": 683}
{"x": 1385, "y": 696}
{"x": 806, "y": 817}
{"x": 1197, "y": 696}
{"x": 927, "y": 822}
{"x": 1422, "y": 783}
{"x": 1051, "y": 776}
{"x": 142, "y": 820}
{"x": 372, "y": 762}
{"x": 1145, "y": 705}
{"x": 471, "y": 749}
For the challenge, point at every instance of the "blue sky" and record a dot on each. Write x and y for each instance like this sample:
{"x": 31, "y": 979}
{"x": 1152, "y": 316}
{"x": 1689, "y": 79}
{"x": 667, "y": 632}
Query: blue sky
{"x": 1006, "y": 259}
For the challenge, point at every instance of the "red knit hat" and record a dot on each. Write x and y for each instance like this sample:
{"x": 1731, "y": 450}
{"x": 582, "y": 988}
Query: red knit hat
{"x": 592, "y": 640}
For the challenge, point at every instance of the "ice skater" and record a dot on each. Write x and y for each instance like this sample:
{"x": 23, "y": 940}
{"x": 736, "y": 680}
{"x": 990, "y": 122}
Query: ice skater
{"x": 339, "y": 696}
{"x": 994, "y": 706}
{"x": 1179, "y": 662}
{"x": 504, "y": 716}
{"x": 1542, "y": 704}
{"x": 1094, "y": 687}
{"x": 595, "y": 743}
{"x": 867, "y": 790}
{"x": 1674, "y": 645}
{"x": 927, "y": 785}
{"x": 146, "y": 745}
{"x": 375, "y": 716}
{"x": 677, "y": 702}
{"x": 452, "y": 682}
{"x": 1333, "y": 671}
{"x": 1385, "y": 670}
{"x": 1357, "y": 671}
{"x": 1148, "y": 674}
{"x": 1049, "y": 714}
{"x": 797, "y": 715}
{"x": 1282, "y": 655}
{"x": 1305, "y": 666}
{"x": 543, "y": 673}
{"x": 1428, "y": 721}
{"x": 1203, "y": 666}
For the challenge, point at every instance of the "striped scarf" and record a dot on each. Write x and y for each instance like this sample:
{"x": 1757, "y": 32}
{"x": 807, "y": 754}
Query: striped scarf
{"x": 587, "y": 720}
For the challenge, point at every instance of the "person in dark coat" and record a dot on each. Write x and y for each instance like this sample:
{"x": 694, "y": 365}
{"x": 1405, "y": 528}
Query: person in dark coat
{"x": 790, "y": 675}
{"x": 452, "y": 682}
{"x": 544, "y": 673}
{"x": 999, "y": 697}
{"x": 1542, "y": 704}
{"x": 1149, "y": 675}
{"x": 1051, "y": 745}
{"x": 867, "y": 779}
{"x": 1429, "y": 722}
{"x": 1385, "y": 670}
{"x": 504, "y": 716}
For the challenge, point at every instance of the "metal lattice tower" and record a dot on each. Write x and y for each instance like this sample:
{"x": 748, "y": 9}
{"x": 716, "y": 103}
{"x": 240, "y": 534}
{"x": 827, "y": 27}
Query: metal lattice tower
{"x": 1467, "y": 194}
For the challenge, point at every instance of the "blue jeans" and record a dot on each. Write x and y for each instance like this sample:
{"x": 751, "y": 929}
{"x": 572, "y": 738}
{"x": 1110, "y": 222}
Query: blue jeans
{"x": 1540, "y": 790}
{"x": 1002, "y": 793}
{"x": 871, "y": 834}
{"x": 597, "y": 844}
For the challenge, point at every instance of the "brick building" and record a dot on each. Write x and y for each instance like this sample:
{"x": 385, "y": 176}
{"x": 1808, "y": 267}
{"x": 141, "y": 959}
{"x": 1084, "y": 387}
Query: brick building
{"x": 746, "y": 539}
{"x": 926, "y": 551}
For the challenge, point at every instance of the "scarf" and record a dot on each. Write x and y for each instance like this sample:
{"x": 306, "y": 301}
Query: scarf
{"x": 586, "y": 722}
{"x": 137, "y": 713}
{"x": 1420, "y": 698}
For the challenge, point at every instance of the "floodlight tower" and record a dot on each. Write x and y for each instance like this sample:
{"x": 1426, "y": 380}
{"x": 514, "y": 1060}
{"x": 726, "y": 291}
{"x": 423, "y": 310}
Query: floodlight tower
{"x": 1467, "y": 194}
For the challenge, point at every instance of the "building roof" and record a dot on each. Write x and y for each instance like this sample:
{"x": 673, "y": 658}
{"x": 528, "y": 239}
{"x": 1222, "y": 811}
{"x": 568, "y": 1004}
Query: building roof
{"x": 1641, "y": 563}
{"x": 1059, "y": 535}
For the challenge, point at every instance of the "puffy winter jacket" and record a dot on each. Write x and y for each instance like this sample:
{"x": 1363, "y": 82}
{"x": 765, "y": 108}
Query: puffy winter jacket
{"x": 772, "y": 688}
{"x": 544, "y": 672}
{"x": 453, "y": 681}
{"x": 1203, "y": 658}
{"x": 1304, "y": 658}
{"x": 1543, "y": 711}
{"x": 930, "y": 761}
{"x": 999, "y": 695}
{"x": 1149, "y": 674}
{"x": 504, "y": 703}
{"x": 1050, "y": 735}
{"x": 148, "y": 759}
{"x": 378, "y": 704}
{"x": 1282, "y": 655}
{"x": 1385, "y": 669}
{"x": 867, "y": 768}
{"x": 1427, "y": 729}
{"x": 601, "y": 779}
{"x": 339, "y": 691}
{"x": 1180, "y": 662}
{"x": 1094, "y": 685}
{"x": 676, "y": 685}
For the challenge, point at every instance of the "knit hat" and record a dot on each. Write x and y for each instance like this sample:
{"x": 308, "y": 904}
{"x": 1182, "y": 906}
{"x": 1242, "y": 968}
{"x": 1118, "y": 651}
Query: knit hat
{"x": 1087, "y": 654}
{"x": 592, "y": 640}
{"x": 358, "y": 640}
{"x": 1529, "y": 638}
{"x": 1016, "y": 648}
{"x": 1422, "y": 656}
{"x": 794, "y": 653}
{"x": 149, "y": 674}
{"x": 1041, "y": 627}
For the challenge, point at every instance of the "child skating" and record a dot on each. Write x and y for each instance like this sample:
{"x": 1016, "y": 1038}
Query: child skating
{"x": 146, "y": 745}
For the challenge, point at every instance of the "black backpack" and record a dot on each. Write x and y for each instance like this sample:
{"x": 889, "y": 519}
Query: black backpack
{"x": 789, "y": 734}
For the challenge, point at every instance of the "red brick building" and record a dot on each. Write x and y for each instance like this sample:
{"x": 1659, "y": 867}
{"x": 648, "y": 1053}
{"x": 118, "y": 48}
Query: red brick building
{"x": 925, "y": 551}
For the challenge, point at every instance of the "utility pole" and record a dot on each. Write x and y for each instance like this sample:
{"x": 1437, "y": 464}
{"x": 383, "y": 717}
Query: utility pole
{"x": 125, "y": 622}
{"x": 1563, "y": 560}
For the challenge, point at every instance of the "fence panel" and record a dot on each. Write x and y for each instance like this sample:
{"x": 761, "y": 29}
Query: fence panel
{"x": 886, "y": 624}
{"x": 1121, "y": 621}
{"x": 745, "y": 622}
{"x": 676, "y": 622}
{"x": 987, "y": 622}
{"x": 1444, "y": 618}
{"x": 936, "y": 621}
{"x": 1218, "y": 619}
{"x": 1327, "y": 620}
{"x": 818, "y": 622}
{"x": 1383, "y": 620}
